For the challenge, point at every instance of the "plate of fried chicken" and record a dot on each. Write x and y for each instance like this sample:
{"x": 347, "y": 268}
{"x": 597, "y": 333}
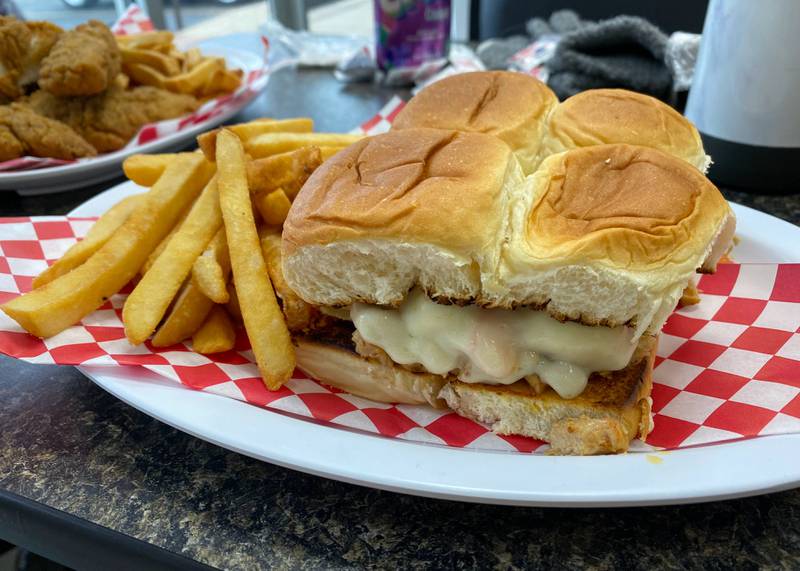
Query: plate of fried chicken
{"x": 71, "y": 110}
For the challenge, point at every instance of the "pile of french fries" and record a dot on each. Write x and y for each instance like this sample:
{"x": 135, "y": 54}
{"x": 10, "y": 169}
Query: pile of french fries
{"x": 203, "y": 243}
{"x": 150, "y": 58}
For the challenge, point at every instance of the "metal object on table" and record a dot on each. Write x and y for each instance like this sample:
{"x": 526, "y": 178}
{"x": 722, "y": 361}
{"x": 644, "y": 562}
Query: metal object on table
{"x": 176, "y": 10}
{"x": 155, "y": 11}
{"x": 290, "y": 13}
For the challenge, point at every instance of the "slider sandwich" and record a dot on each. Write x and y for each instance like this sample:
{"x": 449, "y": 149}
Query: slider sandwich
{"x": 442, "y": 273}
{"x": 507, "y": 256}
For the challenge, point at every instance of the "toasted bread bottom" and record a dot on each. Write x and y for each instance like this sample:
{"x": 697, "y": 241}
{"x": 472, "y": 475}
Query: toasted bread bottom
{"x": 612, "y": 411}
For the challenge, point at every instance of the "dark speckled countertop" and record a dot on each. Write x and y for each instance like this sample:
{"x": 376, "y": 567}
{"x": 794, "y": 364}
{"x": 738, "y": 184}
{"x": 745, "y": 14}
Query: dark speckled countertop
{"x": 85, "y": 478}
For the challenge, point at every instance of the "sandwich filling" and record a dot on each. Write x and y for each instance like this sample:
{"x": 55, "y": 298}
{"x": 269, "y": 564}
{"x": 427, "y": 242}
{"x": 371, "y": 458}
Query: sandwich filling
{"x": 494, "y": 346}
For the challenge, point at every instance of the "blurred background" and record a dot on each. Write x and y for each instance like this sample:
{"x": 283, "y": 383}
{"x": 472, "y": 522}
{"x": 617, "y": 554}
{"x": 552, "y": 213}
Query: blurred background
{"x": 224, "y": 16}
{"x": 489, "y": 18}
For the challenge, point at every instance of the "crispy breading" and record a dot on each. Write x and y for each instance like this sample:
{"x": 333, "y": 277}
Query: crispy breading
{"x": 23, "y": 45}
{"x": 14, "y": 40}
{"x": 10, "y": 146}
{"x": 44, "y": 36}
{"x": 84, "y": 61}
{"x": 23, "y": 132}
{"x": 109, "y": 120}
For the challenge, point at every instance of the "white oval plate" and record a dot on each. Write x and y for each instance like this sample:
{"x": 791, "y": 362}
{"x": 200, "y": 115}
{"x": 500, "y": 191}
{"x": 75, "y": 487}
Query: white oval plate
{"x": 103, "y": 167}
{"x": 700, "y": 474}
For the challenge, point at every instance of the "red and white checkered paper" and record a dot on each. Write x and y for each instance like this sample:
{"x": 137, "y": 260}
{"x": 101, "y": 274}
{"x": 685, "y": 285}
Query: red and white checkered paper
{"x": 134, "y": 21}
{"x": 727, "y": 368}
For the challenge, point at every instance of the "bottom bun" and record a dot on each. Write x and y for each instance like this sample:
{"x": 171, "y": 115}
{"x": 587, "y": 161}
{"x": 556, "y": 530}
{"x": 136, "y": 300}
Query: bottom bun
{"x": 612, "y": 411}
{"x": 604, "y": 419}
{"x": 344, "y": 369}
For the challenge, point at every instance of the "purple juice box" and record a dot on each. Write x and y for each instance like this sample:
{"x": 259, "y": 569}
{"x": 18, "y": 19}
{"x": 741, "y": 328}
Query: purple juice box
{"x": 411, "y": 38}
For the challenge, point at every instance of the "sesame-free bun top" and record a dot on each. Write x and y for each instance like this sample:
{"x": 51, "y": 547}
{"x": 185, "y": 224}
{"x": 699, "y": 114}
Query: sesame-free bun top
{"x": 604, "y": 116}
{"x": 604, "y": 235}
{"x": 511, "y": 106}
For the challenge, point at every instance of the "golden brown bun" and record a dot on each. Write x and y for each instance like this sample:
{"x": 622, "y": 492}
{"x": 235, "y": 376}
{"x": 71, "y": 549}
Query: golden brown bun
{"x": 511, "y": 106}
{"x": 630, "y": 207}
{"x": 605, "y": 116}
{"x": 412, "y": 196}
{"x": 608, "y": 234}
{"x": 613, "y": 231}
{"x": 613, "y": 410}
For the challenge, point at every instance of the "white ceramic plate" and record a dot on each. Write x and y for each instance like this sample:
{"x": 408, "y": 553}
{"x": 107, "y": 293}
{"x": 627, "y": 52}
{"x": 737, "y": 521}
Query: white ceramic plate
{"x": 66, "y": 177}
{"x": 707, "y": 473}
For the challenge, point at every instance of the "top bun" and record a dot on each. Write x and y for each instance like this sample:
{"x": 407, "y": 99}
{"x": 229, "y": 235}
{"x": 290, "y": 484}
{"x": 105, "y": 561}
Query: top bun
{"x": 405, "y": 207}
{"x": 608, "y": 234}
{"x": 603, "y": 116}
{"x": 511, "y": 106}
{"x": 524, "y": 112}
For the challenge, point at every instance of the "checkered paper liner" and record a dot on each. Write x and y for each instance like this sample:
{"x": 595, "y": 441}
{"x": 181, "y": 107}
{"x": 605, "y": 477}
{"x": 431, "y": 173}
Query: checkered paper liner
{"x": 382, "y": 121}
{"x": 727, "y": 368}
{"x": 134, "y": 21}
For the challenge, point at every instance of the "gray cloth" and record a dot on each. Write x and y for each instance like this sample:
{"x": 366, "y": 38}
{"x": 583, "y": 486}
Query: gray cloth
{"x": 560, "y": 22}
{"x": 625, "y": 51}
{"x": 494, "y": 53}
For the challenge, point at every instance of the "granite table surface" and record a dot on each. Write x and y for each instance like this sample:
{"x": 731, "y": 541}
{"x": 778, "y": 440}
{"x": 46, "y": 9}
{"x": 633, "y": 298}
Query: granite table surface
{"x": 68, "y": 445}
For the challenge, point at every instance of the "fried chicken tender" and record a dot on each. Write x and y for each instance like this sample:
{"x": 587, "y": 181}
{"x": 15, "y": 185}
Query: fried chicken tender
{"x": 10, "y": 146}
{"x": 14, "y": 40}
{"x": 23, "y": 45}
{"x": 109, "y": 120}
{"x": 44, "y": 36}
{"x": 84, "y": 61}
{"x": 23, "y": 132}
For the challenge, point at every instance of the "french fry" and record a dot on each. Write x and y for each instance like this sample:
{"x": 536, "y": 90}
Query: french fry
{"x": 98, "y": 235}
{"x": 151, "y": 259}
{"x": 210, "y": 271}
{"x": 64, "y": 301}
{"x": 274, "y": 143}
{"x": 233, "y": 303}
{"x": 144, "y": 170}
{"x": 273, "y": 206}
{"x": 246, "y": 131}
{"x": 208, "y": 141}
{"x": 328, "y": 152}
{"x": 149, "y": 300}
{"x": 147, "y": 40}
{"x": 195, "y": 79}
{"x": 186, "y": 316}
{"x": 288, "y": 171}
{"x": 216, "y": 334}
{"x": 158, "y": 250}
{"x": 263, "y": 320}
{"x": 162, "y": 63}
{"x": 191, "y": 58}
{"x": 296, "y": 311}
{"x": 223, "y": 81}
{"x": 145, "y": 75}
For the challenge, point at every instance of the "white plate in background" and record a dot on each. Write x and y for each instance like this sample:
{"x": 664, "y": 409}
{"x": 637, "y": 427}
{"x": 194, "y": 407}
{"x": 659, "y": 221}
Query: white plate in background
{"x": 61, "y": 178}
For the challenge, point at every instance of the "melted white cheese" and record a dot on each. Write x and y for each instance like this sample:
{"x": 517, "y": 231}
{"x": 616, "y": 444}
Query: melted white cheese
{"x": 494, "y": 346}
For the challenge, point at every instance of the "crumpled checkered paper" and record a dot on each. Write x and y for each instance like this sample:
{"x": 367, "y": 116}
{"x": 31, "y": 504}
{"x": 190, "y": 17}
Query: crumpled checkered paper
{"x": 728, "y": 368}
{"x": 134, "y": 21}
